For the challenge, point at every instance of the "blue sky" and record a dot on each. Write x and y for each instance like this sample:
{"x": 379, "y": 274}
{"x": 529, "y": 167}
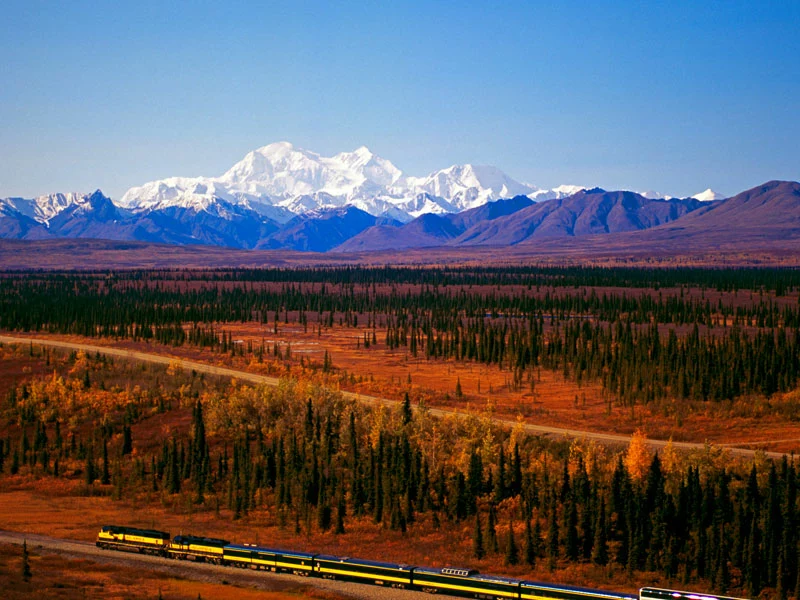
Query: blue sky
{"x": 672, "y": 96}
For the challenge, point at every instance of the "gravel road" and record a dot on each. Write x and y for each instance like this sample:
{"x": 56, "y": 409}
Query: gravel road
{"x": 260, "y": 580}
{"x": 555, "y": 432}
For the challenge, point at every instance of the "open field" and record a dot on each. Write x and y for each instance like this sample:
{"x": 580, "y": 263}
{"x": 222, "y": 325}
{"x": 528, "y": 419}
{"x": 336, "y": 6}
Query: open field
{"x": 596, "y": 250}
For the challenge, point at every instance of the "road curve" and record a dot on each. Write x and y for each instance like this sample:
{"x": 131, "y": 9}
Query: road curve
{"x": 203, "y": 572}
{"x": 547, "y": 430}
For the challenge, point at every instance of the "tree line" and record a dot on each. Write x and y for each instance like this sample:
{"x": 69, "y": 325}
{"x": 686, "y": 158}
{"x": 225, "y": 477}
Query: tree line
{"x": 318, "y": 462}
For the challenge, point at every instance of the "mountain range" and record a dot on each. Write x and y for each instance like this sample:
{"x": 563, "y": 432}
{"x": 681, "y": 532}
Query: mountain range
{"x": 282, "y": 197}
{"x": 280, "y": 181}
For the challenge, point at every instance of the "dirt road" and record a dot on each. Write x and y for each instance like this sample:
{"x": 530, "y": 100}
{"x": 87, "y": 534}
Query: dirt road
{"x": 606, "y": 438}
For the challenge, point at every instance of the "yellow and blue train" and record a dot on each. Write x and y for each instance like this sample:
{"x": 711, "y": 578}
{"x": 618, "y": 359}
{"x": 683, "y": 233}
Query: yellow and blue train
{"x": 452, "y": 581}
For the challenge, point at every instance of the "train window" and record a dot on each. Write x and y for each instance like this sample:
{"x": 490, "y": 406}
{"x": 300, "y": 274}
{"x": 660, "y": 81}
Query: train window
{"x": 459, "y": 572}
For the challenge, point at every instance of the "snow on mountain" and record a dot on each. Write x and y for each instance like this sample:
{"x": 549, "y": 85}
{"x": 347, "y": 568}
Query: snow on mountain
{"x": 281, "y": 180}
{"x": 708, "y": 195}
{"x": 468, "y": 186}
{"x": 562, "y": 191}
{"x": 653, "y": 195}
{"x": 43, "y": 208}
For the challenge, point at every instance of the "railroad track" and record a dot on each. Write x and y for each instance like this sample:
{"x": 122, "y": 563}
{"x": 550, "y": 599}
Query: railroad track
{"x": 545, "y": 430}
{"x": 204, "y": 572}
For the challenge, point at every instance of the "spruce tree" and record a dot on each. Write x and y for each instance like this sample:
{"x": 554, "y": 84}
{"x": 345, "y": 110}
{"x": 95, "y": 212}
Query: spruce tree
{"x": 323, "y": 512}
{"x": 552, "y": 540}
{"x": 127, "y": 441}
{"x": 174, "y": 471}
{"x": 407, "y": 414}
{"x": 571, "y": 532}
{"x": 89, "y": 469}
{"x": 797, "y": 581}
{"x": 340, "y": 512}
{"x": 724, "y": 572}
{"x": 530, "y": 544}
{"x": 478, "y": 551}
{"x": 106, "y": 477}
{"x": 26, "y": 565}
{"x": 491, "y": 530}
{"x": 512, "y": 552}
{"x": 600, "y": 546}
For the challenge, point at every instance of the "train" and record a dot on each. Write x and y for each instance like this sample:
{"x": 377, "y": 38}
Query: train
{"x": 447, "y": 580}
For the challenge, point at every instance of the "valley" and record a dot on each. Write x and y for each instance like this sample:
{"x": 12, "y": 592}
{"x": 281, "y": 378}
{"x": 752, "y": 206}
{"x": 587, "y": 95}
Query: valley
{"x": 508, "y": 419}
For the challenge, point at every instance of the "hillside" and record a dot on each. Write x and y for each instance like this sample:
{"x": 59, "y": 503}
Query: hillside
{"x": 589, "y": 212}
{"x": 430, "y": 229}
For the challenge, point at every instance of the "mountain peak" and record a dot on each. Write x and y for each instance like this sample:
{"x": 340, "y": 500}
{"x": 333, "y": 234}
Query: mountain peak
{"x": 708, "y": 195}
{"x": 281, "y": 176}
{"x": 282, "y": 146}
{"x": 653, "y": 195}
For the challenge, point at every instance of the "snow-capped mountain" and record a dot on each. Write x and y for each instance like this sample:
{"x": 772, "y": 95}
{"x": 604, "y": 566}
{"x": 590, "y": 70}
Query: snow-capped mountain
{"x": 709, "y": 195}
{"x": 654, "y": 195}
{"x": 557, "y": 193}
{"x": 468, "y": 186}
{"x": 43, "y": 208}
{"x": 280, "y": 180}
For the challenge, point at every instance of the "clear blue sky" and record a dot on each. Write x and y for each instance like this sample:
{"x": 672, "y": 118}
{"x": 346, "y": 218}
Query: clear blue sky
{"x": 670, "y": 96}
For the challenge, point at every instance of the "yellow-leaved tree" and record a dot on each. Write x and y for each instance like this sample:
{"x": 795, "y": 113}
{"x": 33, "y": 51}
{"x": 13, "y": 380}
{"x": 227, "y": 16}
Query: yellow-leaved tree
{"x": 638, "y": 457}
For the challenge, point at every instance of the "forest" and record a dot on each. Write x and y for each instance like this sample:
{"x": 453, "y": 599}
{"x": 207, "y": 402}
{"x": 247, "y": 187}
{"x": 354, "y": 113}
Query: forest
{"x": 641, "y": 344}
{"x": 317, "y": 463}
{"x": 310, "y": 466}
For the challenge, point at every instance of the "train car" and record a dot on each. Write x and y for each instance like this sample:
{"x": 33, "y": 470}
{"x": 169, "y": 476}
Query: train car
{"x": 533, "y": 590}
{"x": 365, "y": 571}
{"x": 465, "y": 582}
{"x": 202, "y": 549}
{"x": 145, "y": 541}
{"x": 257, "y": 557}
{"x": 648, "y": 593}
{"x": 449, "y": 580}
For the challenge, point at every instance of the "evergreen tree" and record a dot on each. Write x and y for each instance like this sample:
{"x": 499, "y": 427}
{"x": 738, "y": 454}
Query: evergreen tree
{"x": 323, "y": 513}
{"x": 407, "y": 413}
{"x": 512, "y": 552}
{"x": 754, "y": 560}
{"x": 26, "y": 565}
{"x": 491, "y": 530}
{"x": 552, "y": 540}
{"x": 600, "y": 546}
{"x": 14, "y": 469}
{"x": 530, "y": 545}
{"x": 89, "y": 468}
{"x": 127, "y": 441}
{"x": 106, "y": 477}
{"x": 571, "y": 532}
{"x": 174, "y": 472}
{"x": 340, "y": 512}
{"x": 478, "y": 551}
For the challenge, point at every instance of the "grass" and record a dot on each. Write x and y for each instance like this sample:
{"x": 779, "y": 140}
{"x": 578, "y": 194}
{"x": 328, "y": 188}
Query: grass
{"x": 54, "y": 576}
